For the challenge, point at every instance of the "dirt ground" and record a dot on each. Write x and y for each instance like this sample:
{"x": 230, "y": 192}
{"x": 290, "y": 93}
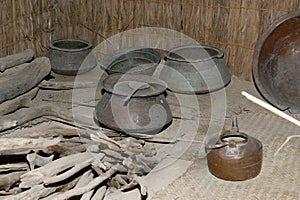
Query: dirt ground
{"x": 185, "y": 176}
{"x": 279, "y": 176}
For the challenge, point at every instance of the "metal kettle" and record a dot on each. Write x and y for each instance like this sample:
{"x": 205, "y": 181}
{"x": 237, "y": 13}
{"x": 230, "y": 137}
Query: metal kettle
{"x": 235, "y": 156}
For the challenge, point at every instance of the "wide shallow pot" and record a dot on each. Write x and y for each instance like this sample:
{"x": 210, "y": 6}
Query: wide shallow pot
{"x": 276, "y": 70}
{"x": 71, "y": 56}
{"x": 131, "y": 60}
{"x": 195, "y": 69}
{"x": 133, "y": 104}
{"x": 235, "y": 156}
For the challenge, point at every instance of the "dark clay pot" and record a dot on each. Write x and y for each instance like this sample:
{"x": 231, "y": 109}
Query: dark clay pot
{"x": 121, "y": 108}
{"x": 71, "y": 56}
{"x": 235, "y": 157}
{"x": 132, "y": 60}
{"x": 195, "y": 69}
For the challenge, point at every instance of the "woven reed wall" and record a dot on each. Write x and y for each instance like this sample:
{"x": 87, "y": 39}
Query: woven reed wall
{"x": 233, "y": 26}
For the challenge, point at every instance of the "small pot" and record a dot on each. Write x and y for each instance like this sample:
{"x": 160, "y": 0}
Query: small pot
{"x": 235, "y": 156}
{"x": 133, "y": 104}
{"x": 71, "y": 56}
{"x": 195, "y": 69}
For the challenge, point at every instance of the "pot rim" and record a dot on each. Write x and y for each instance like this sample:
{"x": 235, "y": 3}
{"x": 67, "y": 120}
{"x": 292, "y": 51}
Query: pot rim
{"x": 268, "y": 95}
{"x": 219, "y": 53}
{"x": 110, "y": 58}
{"x": 52, "y": 45}
{"x": 157, "y": 88}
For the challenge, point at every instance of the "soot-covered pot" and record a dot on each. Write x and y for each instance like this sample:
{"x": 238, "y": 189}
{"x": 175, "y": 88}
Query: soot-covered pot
{"x": 195, "y": 69}
{"x": 133, "y": 104}
{"x": 71, "y": 56}
{"x": 234, "y": 156}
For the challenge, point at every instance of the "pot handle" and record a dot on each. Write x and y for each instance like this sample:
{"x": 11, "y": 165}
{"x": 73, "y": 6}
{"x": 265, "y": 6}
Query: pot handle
{"x": 135, "y": 87}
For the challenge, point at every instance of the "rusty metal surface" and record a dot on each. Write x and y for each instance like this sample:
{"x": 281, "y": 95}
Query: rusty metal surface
{"x": 276, "y": 70}
{"x": 71, "y": 56}
{"x": 239, "y": 158}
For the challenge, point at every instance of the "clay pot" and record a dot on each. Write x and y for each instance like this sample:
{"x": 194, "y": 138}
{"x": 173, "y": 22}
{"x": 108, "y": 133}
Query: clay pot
{"x": 235, "y": 156}
{"x": 71, "y": 56}
{"x": 132, "y": 60}
{"x": 195, "y": 69}
{"x": 133, "y": 104}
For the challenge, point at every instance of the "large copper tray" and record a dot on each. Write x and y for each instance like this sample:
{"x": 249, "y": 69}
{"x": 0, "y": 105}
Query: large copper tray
{"x": 276, "y": 63}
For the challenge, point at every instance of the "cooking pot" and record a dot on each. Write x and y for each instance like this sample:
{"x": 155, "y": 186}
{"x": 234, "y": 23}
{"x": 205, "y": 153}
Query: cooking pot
{"x": 195, "y": 69}
{"x": 131, "y": 60}
{"x": 71, "y": 56}
{"x": 133, "y": 104}
{"x": 235, "y": 156}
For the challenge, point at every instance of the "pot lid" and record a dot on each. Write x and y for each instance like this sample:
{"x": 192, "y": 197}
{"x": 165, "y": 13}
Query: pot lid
{"x": 134, "y": 85}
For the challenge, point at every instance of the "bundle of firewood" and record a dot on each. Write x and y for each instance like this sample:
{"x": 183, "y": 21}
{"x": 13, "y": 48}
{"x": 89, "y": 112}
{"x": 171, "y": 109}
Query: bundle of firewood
{"x": 60, "y": 164}
{"x": 20, "y": 75}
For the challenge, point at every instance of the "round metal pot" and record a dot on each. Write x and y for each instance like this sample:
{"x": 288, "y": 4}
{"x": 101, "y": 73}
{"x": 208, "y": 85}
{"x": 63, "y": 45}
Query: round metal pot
{"x": 195, "y": 69}
{"x": 71, "y": 56}
{"x": 236, "y": 156}
{"x": 133, "y": 110}
{"x": 276, "y": 63}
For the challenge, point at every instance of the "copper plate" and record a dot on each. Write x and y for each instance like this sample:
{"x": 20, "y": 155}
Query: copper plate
{"x": 276, "y": 70}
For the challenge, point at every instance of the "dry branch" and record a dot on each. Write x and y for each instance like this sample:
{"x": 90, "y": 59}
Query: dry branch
{"x": 23, "y": 78}
{"x": 65, "y": 85}
{"x": 93, "y": 184}
{"x": 18, "y": 102}
{"x": 26, "y": 143}
{"x": 285, "y": 142}
{"x": 35, "y": 192}
{"x": 36, "y": 160}
{"x": 38, "y": 175}
{"x": 69, "y": 173}
{"x": 46, "y": 133}
{"x": 15, "y": 59}
{"x": 14, "y": 167}
{"x": 7, "y": 180}
{"x": 26, "y": 115}
{"x": 99, "y": 194}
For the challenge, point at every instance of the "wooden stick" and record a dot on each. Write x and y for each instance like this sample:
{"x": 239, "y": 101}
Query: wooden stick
{"x": 100, "y": 193}
{"x": 18, "y": 102}
{"x": 23, "y": 116}
{"x": 27, "y": 143}
{"x": 94, "y": 183}
{"x": 14, "y": 167}
{"x": 7, "y": 180}
{"x": 45, "y": 133}
{"x": 15, "y": 59}
{"x": 65, "y": 85}
{"x": 271, "y": 108}
{"x": 286, "y": 141}
{"x": 69, "y": 173}
{"x": 35, "y": 192}
{"x": 70, "y": 102}
{"x": 23, "y": 78}
{"x": 38, "y": 175}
